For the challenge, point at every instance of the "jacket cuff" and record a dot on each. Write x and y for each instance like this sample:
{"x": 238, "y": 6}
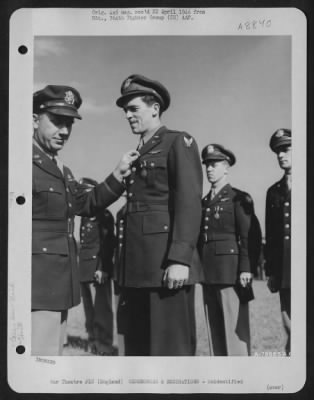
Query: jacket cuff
{"x": 114, "y": 185}
{"x": 181, "y": 253}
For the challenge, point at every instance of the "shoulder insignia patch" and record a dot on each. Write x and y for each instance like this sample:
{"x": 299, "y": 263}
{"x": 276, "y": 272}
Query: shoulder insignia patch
{"x": 188, "y": 141}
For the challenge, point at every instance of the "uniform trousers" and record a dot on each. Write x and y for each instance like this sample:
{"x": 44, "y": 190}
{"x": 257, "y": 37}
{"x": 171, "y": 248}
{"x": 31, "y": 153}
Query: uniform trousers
{"x": 285, "y": 304}
{"x": 48, "y": 332}
{"x": 97, "y": 302}
{"x": 227, "y": 321}
{"x": 157, "y": 321}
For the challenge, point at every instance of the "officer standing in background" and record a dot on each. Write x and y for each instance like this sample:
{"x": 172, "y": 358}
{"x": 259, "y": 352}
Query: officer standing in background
{"x": 224, "y": 250}
{"x": 159, "y": 261}
{"x": 57, "y": 198}
{"x": 97, "y": 244}
{"x": 278, "y": 229}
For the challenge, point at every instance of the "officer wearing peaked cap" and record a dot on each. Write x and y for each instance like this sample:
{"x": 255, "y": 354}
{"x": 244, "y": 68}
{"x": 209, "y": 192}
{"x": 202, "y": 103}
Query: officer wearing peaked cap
{"x": 159, "y": 263}
{"x": 224, "y": 249}
{"x": 278, "y": 228}
{"x": 57, "y": 198}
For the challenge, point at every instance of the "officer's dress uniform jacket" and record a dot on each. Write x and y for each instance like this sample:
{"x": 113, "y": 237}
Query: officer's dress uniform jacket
{"x": 57, "y": 198}
{"x": 97, "y": 244}
{"x": 89, "y": 248}
{"x": 226, "y": 222}
{"x": 160, "y": 227}
{"x": 163, "y": 211}
{"x": 278, "y": 234}
{"x": 223, "y": 244}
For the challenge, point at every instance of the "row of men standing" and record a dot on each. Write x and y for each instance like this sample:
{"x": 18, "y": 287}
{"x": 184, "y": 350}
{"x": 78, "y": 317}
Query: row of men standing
{"x": 165, "y": 228}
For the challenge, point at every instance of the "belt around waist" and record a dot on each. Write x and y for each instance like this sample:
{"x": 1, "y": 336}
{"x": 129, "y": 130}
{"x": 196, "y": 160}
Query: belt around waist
{"x": 136, "y": 206}
{"x": 66, "y": 226}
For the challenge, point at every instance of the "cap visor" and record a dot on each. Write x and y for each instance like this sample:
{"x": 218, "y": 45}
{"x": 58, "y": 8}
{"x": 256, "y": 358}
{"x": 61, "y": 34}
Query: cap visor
{"x": 136, "y": 93}
{"x": 67, "y": 112}
{"x": 283, "y": 143}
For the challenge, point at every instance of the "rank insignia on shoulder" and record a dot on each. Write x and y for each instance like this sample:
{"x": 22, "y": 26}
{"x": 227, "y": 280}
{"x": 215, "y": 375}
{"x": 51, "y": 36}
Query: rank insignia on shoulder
{"x": 188, "y": 141}
{"x": 36, "y": 156}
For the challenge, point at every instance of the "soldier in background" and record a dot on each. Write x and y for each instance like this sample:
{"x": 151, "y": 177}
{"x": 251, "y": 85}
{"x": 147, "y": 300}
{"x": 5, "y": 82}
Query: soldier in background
{"x": 227, "y": 248}
{"x": 278, "y": 229}
{"x": 97, "y": 242}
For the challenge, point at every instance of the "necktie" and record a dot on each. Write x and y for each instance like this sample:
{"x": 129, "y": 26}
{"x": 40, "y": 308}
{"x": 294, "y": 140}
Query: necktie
{"x": 141, "y": 143}
{"x": 212, "y": 193}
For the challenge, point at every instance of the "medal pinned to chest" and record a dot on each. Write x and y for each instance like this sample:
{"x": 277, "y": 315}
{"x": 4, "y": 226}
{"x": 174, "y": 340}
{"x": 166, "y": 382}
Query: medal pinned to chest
{"x": 143, "y": 169}
{"x": 216, "y": 212}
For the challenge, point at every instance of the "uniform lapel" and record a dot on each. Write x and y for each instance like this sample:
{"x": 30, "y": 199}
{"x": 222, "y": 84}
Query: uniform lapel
{"x": 285, "y": 192}
{"x": 45, "y": 163}
{"x": 153, "y": 141}
{"x": 225, "y": 191}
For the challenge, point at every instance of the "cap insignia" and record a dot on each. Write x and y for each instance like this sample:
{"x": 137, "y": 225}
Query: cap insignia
{"x": 210, "y": 149}
{"x": 69, "y": 97}
{"x": 127, "y": 83}
{"x": 188, "y": 141}
{"x": 279, "y": 134}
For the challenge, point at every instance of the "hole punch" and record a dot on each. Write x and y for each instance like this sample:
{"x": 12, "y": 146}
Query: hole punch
{"x": 20, "y": 349}
{"x": 20, "y": 200}
{"x": 23, "y": 49}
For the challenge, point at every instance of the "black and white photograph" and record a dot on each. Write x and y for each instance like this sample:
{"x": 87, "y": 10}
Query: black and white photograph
{"x": 161, "y": 229}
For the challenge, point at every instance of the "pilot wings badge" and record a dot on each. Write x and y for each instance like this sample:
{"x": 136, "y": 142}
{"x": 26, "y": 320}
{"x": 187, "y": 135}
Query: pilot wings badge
{"x": 188, "y": 141}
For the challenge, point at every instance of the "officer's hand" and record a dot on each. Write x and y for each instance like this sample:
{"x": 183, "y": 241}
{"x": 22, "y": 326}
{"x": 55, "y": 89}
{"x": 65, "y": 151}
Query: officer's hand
{"x": 99, "y": 277}
{"x": 176, "y": 275}
{"x": 123, "y": 169}
{"x": 245, "y": 278}
{"x": 272, "y": 284}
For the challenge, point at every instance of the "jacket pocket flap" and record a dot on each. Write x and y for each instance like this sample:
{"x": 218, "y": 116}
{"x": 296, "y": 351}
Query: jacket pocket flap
{"x": 49, "y": 243}
{"x": 157, "y": 222}
{"x": 88, "y": 254}
{"x": 226, "y": 247}
{"x": 52, "y": 187}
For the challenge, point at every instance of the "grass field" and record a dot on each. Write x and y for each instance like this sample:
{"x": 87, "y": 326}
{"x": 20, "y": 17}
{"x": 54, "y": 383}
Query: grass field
{"x": 267, "y": 333}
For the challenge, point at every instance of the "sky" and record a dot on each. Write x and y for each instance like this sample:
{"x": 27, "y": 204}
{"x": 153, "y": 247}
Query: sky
{"x": 231, "y": 90}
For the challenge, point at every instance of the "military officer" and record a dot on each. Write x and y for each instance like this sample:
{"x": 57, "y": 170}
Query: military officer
{"x": 278, "y": 228}
{"x": 226, "y": 222}
{"x": 159, "y": 262}
{"x": 97, "y": 244}
{"x": 57, "y": 197}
